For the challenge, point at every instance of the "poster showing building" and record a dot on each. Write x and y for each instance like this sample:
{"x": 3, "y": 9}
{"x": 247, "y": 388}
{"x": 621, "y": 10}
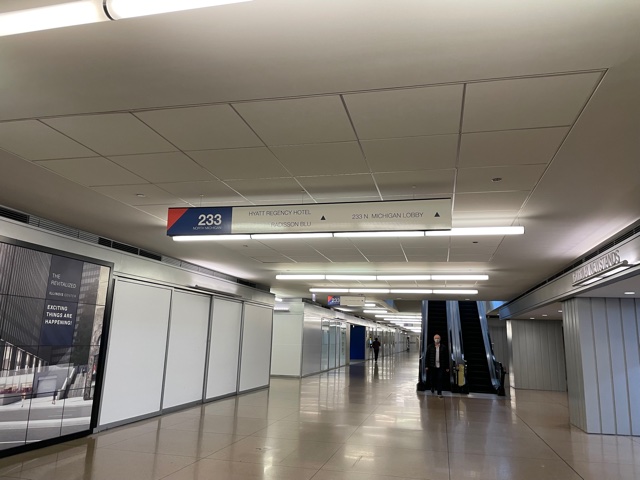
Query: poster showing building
{"x": 51, "y": 319}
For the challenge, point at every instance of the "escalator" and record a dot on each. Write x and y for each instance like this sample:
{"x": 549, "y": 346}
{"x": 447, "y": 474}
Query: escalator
{"x": 478, "y": 377}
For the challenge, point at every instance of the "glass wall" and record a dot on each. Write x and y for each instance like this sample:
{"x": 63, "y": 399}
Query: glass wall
{"x": 51, "y": 318}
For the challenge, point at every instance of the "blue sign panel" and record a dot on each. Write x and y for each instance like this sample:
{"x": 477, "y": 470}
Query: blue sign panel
{"x": 59, "y": 323}
{"x": 199, "y": 221}
{"x": 332, "y": 300}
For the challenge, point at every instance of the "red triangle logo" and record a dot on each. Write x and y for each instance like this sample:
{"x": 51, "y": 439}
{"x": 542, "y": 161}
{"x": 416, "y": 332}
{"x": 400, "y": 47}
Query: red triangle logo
{"x": 174, "y": 215}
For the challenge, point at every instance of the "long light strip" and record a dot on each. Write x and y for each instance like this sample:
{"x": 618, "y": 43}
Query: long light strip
{"x": 119, "y": 9}
{"x": 455, "y": 292}
{"x": 459, "y": 277}
{"x": 454, "y": 232}
{"x": 203, "y": 238}
{"x": 310, "y": 276}
{"x": 392, "y": 278}
{"x": 50, "y": 17}
{"x": 285, "y": 236}
{"x": 379, "y": 234}
{"x": 368, "y": 290}
{"x": 470, "y": 231}
{"x": 385, "y": 278}
{"x": 329, "y": 290}
{"x": 411, "y": 290}
{"x": 351, "y": 277}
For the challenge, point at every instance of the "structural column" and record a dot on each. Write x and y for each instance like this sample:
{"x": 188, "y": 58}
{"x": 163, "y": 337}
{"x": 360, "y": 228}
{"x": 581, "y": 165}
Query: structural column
{"x": 603, "y": 364}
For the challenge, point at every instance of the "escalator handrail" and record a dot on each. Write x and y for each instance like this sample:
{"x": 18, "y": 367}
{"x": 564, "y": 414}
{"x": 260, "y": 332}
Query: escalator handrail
{"x": 491, "y": 359}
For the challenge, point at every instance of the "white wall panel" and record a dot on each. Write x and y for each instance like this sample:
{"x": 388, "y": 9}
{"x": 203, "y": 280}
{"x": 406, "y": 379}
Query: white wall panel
{"x": 136, "y": 352}
{"x": 286, "y": 354}
{"x": 537, "y": 353}
{"x": 187, "y": 352}
{"x": 312, "y": 342}
{"x": 604, "y": 358}
{"x": 224, "y": 350}
{"x": 256, "y": 347}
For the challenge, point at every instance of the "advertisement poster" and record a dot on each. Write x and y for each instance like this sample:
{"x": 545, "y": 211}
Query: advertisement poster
{"x": 51, "y": 316}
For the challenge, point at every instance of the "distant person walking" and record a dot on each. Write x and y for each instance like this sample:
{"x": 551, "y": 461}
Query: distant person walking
{"x": 437, "y": 364}
{"x": 376, "y": 348}
{"x": 55, "y": 395}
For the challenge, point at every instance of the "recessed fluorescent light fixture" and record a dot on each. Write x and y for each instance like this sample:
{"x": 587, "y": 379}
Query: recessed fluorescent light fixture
{"x": 139, "y": 8}
{"x": 351, "y": 277}
{"x": 277, "y": 299}
{"x": 281, "y": 309}
{"x": 455, "y": 292}
{"x": 286, "y": 276}
{"x": 411, "y": 290}
{"x": 370, "y": 305}
{"x": 205, "y": 238}
{"x": 284, "y": 236}
{"x": 368, "y": 290}
{"x": 626, "y": 293}
{"x": 471, "y": 231}
{"x": 403, "y": 277}
{"x": 618, "y": 269}
{"x": 377, "y": 310}
{"x": 459, "y": 277}
{"x": 329, "y": 290}
{"x": 379, "y": 234}
{"x": 590, "y": 281}
{"x": 51, "y": 16}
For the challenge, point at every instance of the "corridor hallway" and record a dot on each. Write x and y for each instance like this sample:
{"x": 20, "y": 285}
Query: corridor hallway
{"x": 363, "y": 422}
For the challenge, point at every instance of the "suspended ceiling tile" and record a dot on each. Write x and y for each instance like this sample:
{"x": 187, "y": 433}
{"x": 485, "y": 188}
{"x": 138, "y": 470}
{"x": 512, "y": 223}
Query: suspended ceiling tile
{"x": 112, "y": 134}
{"x": 273, "y": 259}
{"x": 429, "y": 258}
{"x": 288, "y": 245}
{"x": 339, "y": 185}
{"x": 33, "y": 140}
{"x": 201, "y": 128}
{"x": 527, "y": 102}
{"x": 92, "y": 172}
{"x": 483, "y": 241}
{"x": 386, "y": 258}
{"x": 129, "y": 194}
{"x": 520, "y": 177}
{"x": 482, "y": 202}
{"x": 484, "y": 218}
{"x": 338, "y": 199}
{"x": 426, "y": 182}
{"x": 275, "y": 189}
{"x": 163, "y": 167}
{"x": 240, "y": 163}
{"x": 161, "y": 211}
{"x": 346, "y": 258}
{"x": 465, "y": 257}
{"x": 510, "y": 147}
{"x": 406, "y": 112}
{"x": 297, "y": 121}
{"x": 380, "y": 249}
{"x": 322, "y": 158}
{"x": 474, "y": 250}
{"x": 424, "y": 242}
{"x": 323, "y": 243}
{"x": 438, "y": 252}
{"x": 409, "y": 154}
{"x": 203, "y": 193}
{"x": 308, "y": 258}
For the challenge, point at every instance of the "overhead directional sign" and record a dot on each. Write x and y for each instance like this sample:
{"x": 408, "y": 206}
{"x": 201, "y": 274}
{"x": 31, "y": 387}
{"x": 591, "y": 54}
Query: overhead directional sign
{"x": 432, "y": 214}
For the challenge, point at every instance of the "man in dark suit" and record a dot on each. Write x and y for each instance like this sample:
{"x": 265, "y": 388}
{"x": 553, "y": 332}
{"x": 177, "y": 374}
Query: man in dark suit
{"x": 437, "y": 363}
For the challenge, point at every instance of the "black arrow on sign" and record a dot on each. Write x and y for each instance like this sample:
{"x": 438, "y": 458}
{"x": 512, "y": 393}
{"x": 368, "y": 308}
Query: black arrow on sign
{"x": 437, "y": 215}
{"x": 323, "y": 218}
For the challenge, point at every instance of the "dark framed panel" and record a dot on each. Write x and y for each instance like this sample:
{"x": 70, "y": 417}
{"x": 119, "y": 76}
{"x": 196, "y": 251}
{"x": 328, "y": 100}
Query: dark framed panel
{"x": 54, "y": 323}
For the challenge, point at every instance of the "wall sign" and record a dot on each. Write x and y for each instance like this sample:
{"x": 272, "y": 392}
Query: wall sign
{"x": 598, "y": 266}
{"x": 433, "y": 214}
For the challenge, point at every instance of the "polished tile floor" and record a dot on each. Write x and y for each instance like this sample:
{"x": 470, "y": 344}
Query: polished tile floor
{"x": 356, "y": 423}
